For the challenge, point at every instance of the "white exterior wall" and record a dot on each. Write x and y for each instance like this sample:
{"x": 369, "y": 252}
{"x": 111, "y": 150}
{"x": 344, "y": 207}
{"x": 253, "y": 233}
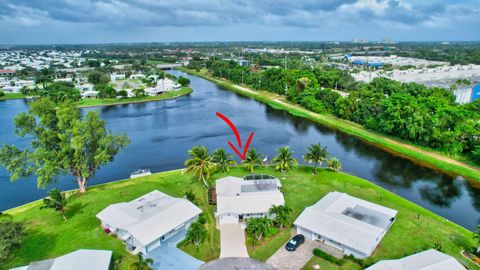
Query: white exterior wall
{"x": 228, "y": 219}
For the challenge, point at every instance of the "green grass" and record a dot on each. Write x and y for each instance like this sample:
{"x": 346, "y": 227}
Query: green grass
{"x": 92, "y": 102}
{"x": 12, "y": 96}
{"x": 421, "y": 155}
{"x": 49, "y": 236}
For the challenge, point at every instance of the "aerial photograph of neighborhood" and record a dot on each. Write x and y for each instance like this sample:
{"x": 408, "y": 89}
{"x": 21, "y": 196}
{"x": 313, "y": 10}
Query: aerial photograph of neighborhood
{"x": 239, "y": 135}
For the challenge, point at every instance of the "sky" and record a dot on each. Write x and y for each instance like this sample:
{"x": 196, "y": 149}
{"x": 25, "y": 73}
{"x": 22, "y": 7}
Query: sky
{"x": 118, "y": 21}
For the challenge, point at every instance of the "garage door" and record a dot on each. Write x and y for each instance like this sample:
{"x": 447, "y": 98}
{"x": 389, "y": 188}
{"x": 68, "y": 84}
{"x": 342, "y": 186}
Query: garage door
{"x": 228, "y": 218}
{"x": 308, "y": 234}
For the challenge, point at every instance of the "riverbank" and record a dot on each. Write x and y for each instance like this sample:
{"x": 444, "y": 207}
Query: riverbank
{"x": 423, "y": 156}
{"x": 13, "y": 96}
{"x": 48, "y": 236}
{"x": 96, "y": 102}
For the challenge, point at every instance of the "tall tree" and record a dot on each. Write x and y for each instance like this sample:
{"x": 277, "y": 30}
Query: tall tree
{"x": 57, "y": 201}
{"x": 281, "y": 214}
{"x": 200, "y": 163}
{"x": 284, "y": 159}
{"x": 253, "y": 158}
{"x": 316, "y": 155}
{"x": 62, "y": 143}
{"x": 334, "y": 164}
{"x": 142, "y": 263}
{"x": 223, "y": 160}
{"x": 196, "y": 233}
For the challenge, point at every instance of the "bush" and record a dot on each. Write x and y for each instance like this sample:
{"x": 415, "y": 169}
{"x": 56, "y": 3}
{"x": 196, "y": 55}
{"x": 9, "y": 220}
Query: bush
{"x": 202, "y": 219}
{"x": 2, "y": 94}
{"x": 11, "y": 235}
{"x": 320, "y": 253}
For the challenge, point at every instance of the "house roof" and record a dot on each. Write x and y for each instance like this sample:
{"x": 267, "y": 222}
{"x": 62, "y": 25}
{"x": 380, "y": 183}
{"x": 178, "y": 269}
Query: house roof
{"x": 78, "y": 260}
{"x": 238, "y": 196}
{"x": 149, "y": 217}
{"x": 350, "y": 221}
{"x": 426, "y": 260}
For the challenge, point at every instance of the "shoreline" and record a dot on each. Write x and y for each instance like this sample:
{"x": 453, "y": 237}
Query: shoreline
{"x": 123, "y": 102}
{"x": 394, "y": 146}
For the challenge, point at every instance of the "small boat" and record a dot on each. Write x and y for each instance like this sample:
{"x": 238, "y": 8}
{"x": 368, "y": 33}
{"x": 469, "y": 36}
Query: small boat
{"x": 140, "y": 173}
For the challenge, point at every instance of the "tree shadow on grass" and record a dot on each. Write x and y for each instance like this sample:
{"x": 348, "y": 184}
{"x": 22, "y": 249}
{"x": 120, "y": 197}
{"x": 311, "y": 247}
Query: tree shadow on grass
{"x": 73, "y": 209}
{"x": 462, "y": 241}
{"x": 36, "y": 245}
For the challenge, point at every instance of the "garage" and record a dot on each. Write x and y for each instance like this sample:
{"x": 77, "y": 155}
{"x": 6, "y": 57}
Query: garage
{"x": 228, "y": 218}
{"x": 308, "y": 234}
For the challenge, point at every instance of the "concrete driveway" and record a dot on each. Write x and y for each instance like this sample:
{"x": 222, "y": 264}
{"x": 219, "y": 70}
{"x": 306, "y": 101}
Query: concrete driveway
{"x": 293, "y": 260}
{"x": 232, "y": 241}
{"x": 169, "y": 257}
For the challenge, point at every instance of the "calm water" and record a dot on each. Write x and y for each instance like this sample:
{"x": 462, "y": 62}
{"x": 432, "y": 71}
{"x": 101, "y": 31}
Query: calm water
{"x": 163, "y": 131}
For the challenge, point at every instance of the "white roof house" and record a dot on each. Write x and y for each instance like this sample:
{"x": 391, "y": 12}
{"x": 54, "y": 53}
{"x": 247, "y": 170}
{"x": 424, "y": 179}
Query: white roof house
{"x": 426, "y": 260}
{"x": 81, "y": 259}
{"x": 89, "y": 94}
{"x": 238, "y": 198}
{"x": 350, "y": 224}
{"x": 146, "y": 222}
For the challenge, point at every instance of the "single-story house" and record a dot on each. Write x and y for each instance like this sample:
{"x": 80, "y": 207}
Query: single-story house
{"x": 239, "y": 199}
{"x": 77, "y": 260}
{"x": 137, "y": 76}
{"x": 89, "y": 94}
{"x": 426, "y": 260}
{"x": 117, "y": 76}
{"x": 68, "y": 80}
{"x": 146, "y": 222}
{"x": 349, "y": 224}
{"x": 167, "y": 84}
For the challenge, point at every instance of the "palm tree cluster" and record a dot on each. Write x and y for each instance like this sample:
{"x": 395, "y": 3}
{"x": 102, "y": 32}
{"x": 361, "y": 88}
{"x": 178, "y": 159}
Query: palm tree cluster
{"x": 196, "y": 233}
{"x": 142, "y": 263}
{"x": 280, "y": 214}
{"x": 201, "y": 164}
{"x": 258, "y": 227}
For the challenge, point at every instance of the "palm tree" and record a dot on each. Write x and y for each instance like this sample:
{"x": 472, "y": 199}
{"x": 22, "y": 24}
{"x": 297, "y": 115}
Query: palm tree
{"x": 223, "y": 160}
{"x": 284, "y": 159}
{"x": 257, "y": 227}
{"x": 200, "y": 163}
{"x": 253, "y": 158}
{"x": 196, "y": 233}
{"x": 141, "y": 263}
{"x": 476, "y": 236}
{"x": 282, "y": 214}
{"x": 316, "y": 155}
{"x": 334, "y": 164}
{"x": 57, "y": 201}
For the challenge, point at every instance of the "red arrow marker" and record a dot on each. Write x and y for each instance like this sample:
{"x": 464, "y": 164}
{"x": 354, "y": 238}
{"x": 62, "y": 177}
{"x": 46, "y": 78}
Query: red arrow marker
{"x": 237, "y": 135}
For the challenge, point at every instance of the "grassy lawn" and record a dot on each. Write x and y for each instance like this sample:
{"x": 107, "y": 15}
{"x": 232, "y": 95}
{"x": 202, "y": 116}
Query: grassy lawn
{"x": 92, "y": 102}
{"x": 49, "y": 236}
{"x": 422, "y": 155}
{"x": 12, "y": 96}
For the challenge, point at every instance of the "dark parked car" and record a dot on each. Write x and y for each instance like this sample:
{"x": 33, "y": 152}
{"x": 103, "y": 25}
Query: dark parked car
{"x": 295, "y": 242}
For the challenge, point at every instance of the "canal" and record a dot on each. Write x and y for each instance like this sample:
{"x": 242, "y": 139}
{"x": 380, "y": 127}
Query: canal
{"x": 163, "y": 131}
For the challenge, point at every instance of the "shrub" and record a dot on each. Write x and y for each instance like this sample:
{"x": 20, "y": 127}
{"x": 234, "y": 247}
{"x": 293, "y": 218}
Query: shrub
{"x": 107, "y": 230}
{"x": 2, "y": 94}
{"x": 322, "y": 254}
{"x": 11, "y": 235}
{"x": 202, "y": 219}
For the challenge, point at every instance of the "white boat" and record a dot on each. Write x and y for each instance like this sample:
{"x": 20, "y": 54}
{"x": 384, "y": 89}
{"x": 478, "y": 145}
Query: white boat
{"x": 140, "y": 173}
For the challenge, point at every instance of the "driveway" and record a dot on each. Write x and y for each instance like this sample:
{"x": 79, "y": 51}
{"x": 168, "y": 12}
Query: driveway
{"x": 169, "y": 257}
{"x": 293, "y": 260}
{"x": 232, "y": 241}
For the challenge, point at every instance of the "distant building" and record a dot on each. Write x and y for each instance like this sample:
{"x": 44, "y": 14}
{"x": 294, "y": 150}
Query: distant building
{"x": 81, "y": 259}
{"x": 239, "y": 199}
{"x": 427, "y": 260}
{"x": 349, "y": 224}
{"x": 115, "y": 76}
{"x": 89, "y": 94}
{"x": 243, "y": 62}
{"x": 7, "y": 72}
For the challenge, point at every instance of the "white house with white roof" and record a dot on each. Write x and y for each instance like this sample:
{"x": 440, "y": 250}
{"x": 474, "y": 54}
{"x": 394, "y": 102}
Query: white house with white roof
{"x": 146, "y": 222}
{"x": 81, "y": 259}
{"x": 349, "y": 224}
{"x": 239, "y": 199}
{"x": 426, "y": 260}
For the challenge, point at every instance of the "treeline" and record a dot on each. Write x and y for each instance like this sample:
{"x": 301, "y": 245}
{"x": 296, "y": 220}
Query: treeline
{"x": 410, "y": 111}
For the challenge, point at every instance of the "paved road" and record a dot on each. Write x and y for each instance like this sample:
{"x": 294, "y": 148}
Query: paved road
{"x": 232, "y": 241}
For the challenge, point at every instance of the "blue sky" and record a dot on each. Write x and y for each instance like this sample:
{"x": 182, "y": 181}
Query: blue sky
{"x": 111, "y": 21}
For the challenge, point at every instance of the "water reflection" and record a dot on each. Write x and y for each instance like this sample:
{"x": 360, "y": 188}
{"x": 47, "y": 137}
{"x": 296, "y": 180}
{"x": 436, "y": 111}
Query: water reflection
{"x": 162, "y": 132}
